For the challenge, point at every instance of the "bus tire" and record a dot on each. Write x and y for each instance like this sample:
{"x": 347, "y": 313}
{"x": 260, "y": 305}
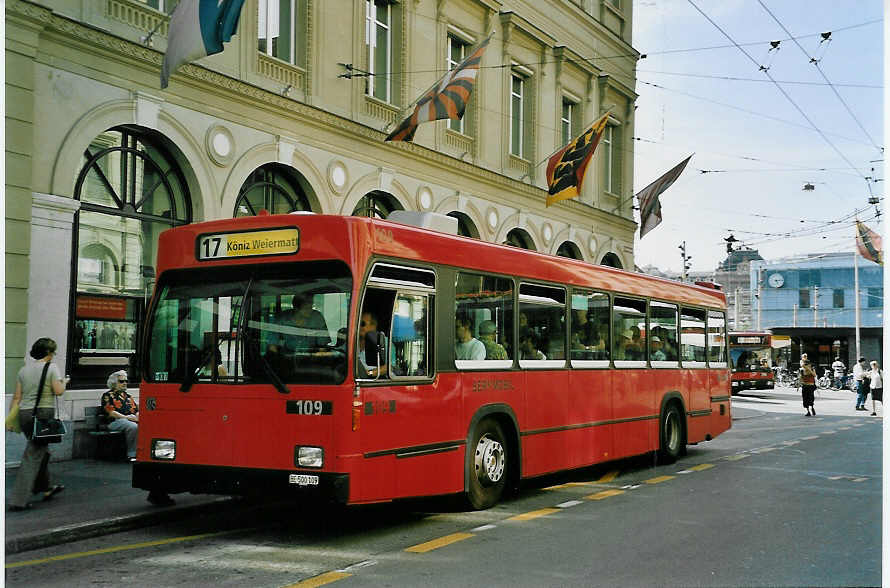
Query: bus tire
{"x": 671, "y": 434}
{"x": 487, "y": 473}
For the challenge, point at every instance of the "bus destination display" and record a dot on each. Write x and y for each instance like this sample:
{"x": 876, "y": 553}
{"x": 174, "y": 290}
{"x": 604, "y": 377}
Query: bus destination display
{"x": 249, "y": 243}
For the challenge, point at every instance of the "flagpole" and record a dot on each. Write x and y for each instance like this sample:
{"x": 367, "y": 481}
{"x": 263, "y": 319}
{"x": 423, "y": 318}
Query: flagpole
{"x": 856, "y": 293}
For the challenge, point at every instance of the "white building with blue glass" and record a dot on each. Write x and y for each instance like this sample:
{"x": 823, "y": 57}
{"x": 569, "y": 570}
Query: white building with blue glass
{"x": 813, "y": 299}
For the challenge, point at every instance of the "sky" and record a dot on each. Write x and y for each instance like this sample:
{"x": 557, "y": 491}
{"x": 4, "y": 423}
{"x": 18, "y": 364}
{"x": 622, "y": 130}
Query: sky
{"x": 759, "y": 143}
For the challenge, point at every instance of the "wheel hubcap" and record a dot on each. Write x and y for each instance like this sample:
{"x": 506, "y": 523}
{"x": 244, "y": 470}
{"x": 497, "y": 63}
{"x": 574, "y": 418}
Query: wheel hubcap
{"x": 489, "y": 461}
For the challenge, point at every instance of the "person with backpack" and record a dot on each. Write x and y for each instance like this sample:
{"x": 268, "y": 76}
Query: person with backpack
{"x": 808, "y": 386}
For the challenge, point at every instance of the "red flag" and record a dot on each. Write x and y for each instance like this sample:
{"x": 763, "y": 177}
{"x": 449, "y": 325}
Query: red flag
{"x": 566, "y": 167}
{"x": 448, "y": 98}
{"x": 869, "y": 244}
{"x": 650, "y": 206}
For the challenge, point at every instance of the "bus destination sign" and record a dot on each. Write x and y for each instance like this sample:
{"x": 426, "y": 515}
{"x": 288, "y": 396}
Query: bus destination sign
{"x": 741, "y": 339}
{"x": 248, "y": 243}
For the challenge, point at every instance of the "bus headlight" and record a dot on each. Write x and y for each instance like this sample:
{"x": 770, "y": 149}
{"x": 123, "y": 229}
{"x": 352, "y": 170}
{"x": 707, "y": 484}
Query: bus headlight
{"x": 163, "y": 449}
{"x": 309, "y": 457}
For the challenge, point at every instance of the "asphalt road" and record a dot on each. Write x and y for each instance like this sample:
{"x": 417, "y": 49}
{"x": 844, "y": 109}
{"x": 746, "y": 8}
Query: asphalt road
{"x": 779, "y": 500}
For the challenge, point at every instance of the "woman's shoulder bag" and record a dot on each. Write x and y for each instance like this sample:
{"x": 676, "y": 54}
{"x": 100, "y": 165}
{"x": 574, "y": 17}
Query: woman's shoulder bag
{"x": 47, "y": 430}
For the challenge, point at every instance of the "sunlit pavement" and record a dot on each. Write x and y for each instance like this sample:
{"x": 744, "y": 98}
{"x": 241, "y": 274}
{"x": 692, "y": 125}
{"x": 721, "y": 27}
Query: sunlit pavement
{"x": 788, "y": 400}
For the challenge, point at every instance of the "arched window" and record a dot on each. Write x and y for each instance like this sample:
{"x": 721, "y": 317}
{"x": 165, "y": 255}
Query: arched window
{"x": 130, "y": 189}
{"x": 570, "y": 250}
{"x": 611, "y": 260}
{"x": 520, "y": 238}
{"x": 273, "y": 187}
{"x": 465, "y": 225}
{"x": 376, "y": 204}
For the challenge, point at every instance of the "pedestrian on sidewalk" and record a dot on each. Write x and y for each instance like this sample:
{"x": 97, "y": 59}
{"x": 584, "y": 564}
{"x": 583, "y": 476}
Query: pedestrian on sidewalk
{"x": 808, "y": 387}
{"x": 33, "y": 475}
{"x": 876, "y": 386}
{"x": 121, "y": 410}
{"x": 859, "y": 371}
{"x": 839, "y": 369}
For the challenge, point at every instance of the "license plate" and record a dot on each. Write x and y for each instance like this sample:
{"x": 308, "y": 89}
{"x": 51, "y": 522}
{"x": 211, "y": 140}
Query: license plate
{"x": 303, "y": 480}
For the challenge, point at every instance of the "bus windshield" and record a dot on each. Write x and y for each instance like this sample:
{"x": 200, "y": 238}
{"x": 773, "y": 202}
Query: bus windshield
{"x": 750, "y": 359}
{"x": 274, "y": 323}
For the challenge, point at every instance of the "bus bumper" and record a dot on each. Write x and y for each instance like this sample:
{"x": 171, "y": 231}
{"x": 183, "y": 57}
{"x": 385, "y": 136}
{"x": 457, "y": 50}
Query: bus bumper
{"x": 200, "y": 479}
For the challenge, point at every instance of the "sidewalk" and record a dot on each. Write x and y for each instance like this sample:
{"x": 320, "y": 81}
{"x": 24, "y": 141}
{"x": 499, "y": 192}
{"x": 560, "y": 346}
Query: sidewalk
{"x": 98, "y": 499}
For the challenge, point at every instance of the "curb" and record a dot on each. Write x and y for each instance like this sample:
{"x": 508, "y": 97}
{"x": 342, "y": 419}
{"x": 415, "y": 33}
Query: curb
{"x": 79, "y": 531}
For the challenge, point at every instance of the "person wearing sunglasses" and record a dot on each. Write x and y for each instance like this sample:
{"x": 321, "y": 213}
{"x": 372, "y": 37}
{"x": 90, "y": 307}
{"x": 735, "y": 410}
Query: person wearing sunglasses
{"x": 121, "y": 410}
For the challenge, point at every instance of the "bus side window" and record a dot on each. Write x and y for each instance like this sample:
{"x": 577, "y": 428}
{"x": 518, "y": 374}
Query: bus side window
{"x": 410, "y": 345}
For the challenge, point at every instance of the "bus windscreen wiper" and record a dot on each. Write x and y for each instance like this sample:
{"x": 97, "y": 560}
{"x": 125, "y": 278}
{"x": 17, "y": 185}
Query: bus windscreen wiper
{"x": 205, "y": 354}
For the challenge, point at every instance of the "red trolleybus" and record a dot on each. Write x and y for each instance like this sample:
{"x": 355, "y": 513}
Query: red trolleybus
{"x": 367, "y": 360}
{"x": 750, "y": 355}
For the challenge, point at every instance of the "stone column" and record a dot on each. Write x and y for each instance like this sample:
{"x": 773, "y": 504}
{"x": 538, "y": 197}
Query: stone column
{"x": 52, "y": 220}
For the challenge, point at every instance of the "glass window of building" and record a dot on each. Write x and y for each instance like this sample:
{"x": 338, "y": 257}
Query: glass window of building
{"x": 566, "y": 121}
{"x": 376, "y": 204}
{"x": 838, "y": 298}
{"x": 612, "y": 159}
{"x": 517, "y": 114}
{"x": 281, "y": 30}
{"x": 875, "y": 297}
{"x": 520, "y": 238}
{"x": 130, "y": 190}
{"x": 804, "y": 298}
{"x": 570, "y": 250}
{"x": 457, "y": 51}
{"x": 272, "y": 187}
{"x": 165, "y": 6}
{"x": 378, "y": 40}
{"x": 465, "y": 225}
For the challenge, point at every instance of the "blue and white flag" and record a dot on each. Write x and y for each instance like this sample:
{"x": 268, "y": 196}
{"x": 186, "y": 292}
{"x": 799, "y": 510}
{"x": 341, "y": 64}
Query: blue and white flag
{"x": 198, "y": 28}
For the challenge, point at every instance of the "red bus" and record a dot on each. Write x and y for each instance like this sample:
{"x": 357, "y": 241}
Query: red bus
{"x": 367, "y": 360}
{"x": 750, "y": 355}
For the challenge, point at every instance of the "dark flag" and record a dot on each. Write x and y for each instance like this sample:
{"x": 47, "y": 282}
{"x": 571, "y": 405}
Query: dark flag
{"x": 566, "y": 167}
{"x": 869, "y": 244}
{"x": 650, "y": 206}
{"x": 448, "y": 98}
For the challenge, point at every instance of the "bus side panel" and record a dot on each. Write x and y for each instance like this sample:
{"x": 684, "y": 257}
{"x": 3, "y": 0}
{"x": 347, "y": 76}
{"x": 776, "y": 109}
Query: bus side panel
{"x": 399, "y": 426}
{"x": 633, "y": 405}
{"x": 696, "y": 383}
{"x": 547, "y": 403}
{"x": 720, "y": 388}
{"x": 590, "y": 403}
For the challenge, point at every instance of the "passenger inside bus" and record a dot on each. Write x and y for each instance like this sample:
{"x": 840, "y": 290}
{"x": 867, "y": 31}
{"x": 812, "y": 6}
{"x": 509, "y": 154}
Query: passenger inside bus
{"x": 528, "y": 347}
{"x": 493, "y": 349}
{"x": 300, "y": 328}
{"x": 371, "y": 348}
{"x": 465, "y": 345}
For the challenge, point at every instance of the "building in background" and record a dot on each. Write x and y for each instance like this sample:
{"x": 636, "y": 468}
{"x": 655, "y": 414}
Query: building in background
{"x": 733, "y": 274}
{"x": 100, "y": 160}
{"x": 813, "y": 300}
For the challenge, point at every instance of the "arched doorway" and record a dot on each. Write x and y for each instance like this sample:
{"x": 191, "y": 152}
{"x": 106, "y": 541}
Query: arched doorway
{"x": 520, "y": 238}
{"x": 611, "y": 260}
{"x": 570, "y": 250}
{"x": 465, "y": 225}
{"x": 130, "y": 189}
{"x": 376, "y": 204}
{"x": 274, "y": 187}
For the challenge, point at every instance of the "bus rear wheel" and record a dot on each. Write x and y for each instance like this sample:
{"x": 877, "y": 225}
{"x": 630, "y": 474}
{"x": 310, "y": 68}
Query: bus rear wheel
{"x": 488, "y": 465}
{"x": 671, "y": 431}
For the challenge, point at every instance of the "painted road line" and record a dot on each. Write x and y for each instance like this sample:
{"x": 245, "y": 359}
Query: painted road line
{"x": 527, "y": 516}
{"x": 810, "y": 438}
{"x": 790, "y": 443}
{"x": 829, "y": 432}
{"x": 34, "y": 562}
{"x": 631, "y": 487}
{"x": 320, "y": 580}
{"x": 659, "y": 479}
{"x": 844, "y": 428}
{"x": 568, "y": 504}
{"x": 702, "y": 467}
{"x": 836, "y": 477}
{"x": 736, "y": 457}
{"x": 440, "y": 542}
{"x": 604, "y": 494}
{"x": 763, "y": 450}
{"x": 608, "y": 477}
{"x": 860, "y": 479}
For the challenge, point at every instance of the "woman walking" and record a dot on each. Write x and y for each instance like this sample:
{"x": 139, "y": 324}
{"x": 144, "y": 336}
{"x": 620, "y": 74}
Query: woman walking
{"x": 33, "y": 474}
{"x": 808, "y": 386}
{"x": 876, "y": 386}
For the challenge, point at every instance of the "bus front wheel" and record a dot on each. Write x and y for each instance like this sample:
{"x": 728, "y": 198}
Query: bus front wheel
{"x": 672, "y": 441}
{"x": 488, "y": 465}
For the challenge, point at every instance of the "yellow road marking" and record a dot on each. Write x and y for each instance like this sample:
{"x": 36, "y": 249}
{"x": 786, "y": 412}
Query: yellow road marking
{"x": 320, "y": 580}
{"x": 440, "y": 542}
{"x": 702, "y": 467}
{"x": 735, "y": 457}
{"x": 34, "y": 562}
{"x": 659, "y": 479}
{"x": 608, "y": 477}
{"x": 603, "y": 494}
{"x": 568, "y": 485}
{"x": 527, "y": 516}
